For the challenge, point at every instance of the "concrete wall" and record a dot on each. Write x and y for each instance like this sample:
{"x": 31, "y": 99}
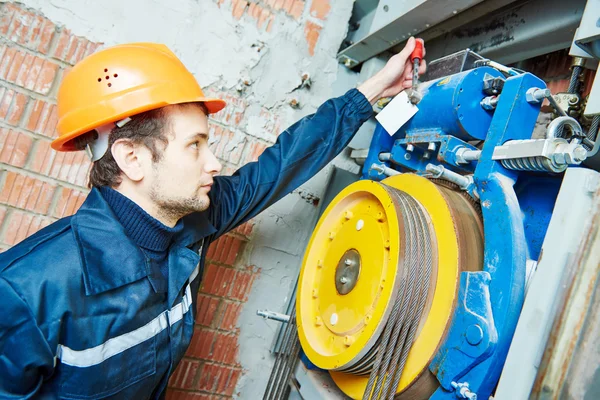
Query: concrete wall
{"x": 253, "y": 54}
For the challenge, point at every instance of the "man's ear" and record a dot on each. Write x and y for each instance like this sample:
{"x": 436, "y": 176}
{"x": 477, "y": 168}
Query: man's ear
{"x": 129, "y": 157}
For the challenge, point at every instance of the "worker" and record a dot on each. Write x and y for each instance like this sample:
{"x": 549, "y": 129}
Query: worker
{"x": 102, "y": 303}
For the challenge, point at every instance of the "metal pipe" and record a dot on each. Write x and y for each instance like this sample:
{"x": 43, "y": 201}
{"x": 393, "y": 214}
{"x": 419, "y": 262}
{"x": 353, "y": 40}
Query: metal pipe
{"x": 440, "y": 172}
{"x": 273, "y": 315}
{"x": 559, "y": 123}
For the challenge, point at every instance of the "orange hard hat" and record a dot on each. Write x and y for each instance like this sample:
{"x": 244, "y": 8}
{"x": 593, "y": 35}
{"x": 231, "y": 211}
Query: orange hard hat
{"x": 119, "y": 82}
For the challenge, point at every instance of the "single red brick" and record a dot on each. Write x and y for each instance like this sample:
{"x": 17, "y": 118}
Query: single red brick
{"x": 8, "y": 146}
{"x": 61, "y": 205}
{"x": 47, "y": 32}
{"x": 218, "y": 280}
{"x": 44, "y": 200}
{"x": 56, "y": 165}
{"x": 312, "y": 32}
{"x": 33, "y": 73}
{"x": 231, "y": 313}
{"x": 15, "y": 193}
{"x": 30, "y": 201}
{"x": 243, "y": 284}
{"x": 46, "y": 77}
{"x": 251, "y": 9}
{"x": 264, "y": 15}
{"x": 255, "y": 151}
{"x": 224, "y": 244}
{"x": 63, "y": 42}
{"x": 225, "y": 348}
{"x": 17, "y": 108}
{"x": 83, "y": 172}
{"x": 206, "y": 309}
{"x": 233, "y": 380}
{"x": 21, "y": 150}
{"x": 238, "y": 9}
{"x": 7, "y": 59}
{"x": 15, "y": 66}
{"x": 23, "y": 230}
{"x": 202, "y": 343}
{"x": 233, "y": 251}
{"x": 9, "y": 181}
{"x": 43, "y": 157}
{"x": 184, "y": 376}
{"x": 297, "y": 9}
{"x": 34, "y": 116}
{"x": 270, "y": 3}
{"x": 6, "y": 96}
{"x": 71, "y": 206}
{"x": 66, "y": 165}
{"x": 50, "y": 127}
{"x": 26, "y": 190}
{"x": 269, "y": 25}
{"x": 80, "y": 52}
{"x": 24, "y": 70}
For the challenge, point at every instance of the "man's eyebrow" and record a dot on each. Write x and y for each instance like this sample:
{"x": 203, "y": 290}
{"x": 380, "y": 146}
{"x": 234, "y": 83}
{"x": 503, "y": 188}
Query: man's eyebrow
{"x": 198, "y": 135}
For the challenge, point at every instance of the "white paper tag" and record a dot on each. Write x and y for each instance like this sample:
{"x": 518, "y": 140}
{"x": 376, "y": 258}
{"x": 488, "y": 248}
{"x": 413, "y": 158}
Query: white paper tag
{"x": 396, "y": 113}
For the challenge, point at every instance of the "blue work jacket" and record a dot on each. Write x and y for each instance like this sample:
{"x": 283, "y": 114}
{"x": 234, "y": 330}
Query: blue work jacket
{"x": 84, "y": 314}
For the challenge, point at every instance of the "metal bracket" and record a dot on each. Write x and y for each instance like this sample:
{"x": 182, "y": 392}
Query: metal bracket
{"x": 415, "y": 151}
{"x": 472, "y": 336}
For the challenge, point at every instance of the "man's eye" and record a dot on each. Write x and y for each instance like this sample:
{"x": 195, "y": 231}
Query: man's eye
{"x": 195, "y": 145}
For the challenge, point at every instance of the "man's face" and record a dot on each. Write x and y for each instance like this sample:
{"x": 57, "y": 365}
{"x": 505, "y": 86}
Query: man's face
{"x": 180, "y": 181}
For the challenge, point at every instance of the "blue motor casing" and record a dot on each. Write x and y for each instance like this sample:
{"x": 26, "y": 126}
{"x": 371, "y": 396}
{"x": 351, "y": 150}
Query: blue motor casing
{"x": 453, "y": 106}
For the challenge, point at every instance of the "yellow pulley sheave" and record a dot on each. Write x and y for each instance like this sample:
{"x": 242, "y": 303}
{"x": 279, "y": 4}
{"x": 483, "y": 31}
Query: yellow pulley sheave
{"x": 350, "y": 278}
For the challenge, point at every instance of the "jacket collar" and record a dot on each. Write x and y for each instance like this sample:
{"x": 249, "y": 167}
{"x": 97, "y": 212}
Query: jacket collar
{"x": 109, "y": 258}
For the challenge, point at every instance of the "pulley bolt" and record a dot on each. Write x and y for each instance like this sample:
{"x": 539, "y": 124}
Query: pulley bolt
{"x": 320, "y": 264}
{"x": 380, "y": 217}
{"x": 347, "y": 261}
{"x": 315, "y": 293}
{"x": 331, "y": 235}
{"x": 343, "y": 280}
{"x": 386, "y": 244}
{"x": 348, "y": 340}
{"x": 318, "y": 321}
{"x": 348, "y": 215}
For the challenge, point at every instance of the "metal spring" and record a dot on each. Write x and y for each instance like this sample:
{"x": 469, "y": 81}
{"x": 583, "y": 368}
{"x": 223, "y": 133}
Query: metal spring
{"x": 526, "y": 164}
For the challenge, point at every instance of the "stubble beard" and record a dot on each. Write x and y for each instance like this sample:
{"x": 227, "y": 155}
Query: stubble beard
{"x": 175, "y": 208}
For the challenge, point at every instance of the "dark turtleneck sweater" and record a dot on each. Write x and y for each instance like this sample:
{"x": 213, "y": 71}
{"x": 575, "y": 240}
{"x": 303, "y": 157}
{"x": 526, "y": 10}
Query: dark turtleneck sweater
{"x": 152, "y": 236}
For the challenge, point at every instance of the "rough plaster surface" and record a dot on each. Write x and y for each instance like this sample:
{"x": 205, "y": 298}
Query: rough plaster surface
{"x": 223, "y": 53}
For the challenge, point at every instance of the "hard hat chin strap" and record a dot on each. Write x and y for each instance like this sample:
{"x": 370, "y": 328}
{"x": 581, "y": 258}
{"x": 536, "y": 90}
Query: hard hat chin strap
{"x": 97, "y": 148}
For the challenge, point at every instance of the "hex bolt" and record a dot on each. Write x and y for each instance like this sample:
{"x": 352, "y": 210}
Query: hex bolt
{"x": 347, "y": 261}
{"x": 343, "y": 280}
{"x": 410, "y": 147}
{"x": 463, "y": 391}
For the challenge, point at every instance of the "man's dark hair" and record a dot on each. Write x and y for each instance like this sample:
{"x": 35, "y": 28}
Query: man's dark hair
{"x": 148, "y": 128}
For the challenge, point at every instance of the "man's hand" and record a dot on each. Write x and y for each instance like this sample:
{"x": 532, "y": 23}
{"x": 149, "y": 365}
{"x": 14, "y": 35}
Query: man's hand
{"x": 394, "y": 77}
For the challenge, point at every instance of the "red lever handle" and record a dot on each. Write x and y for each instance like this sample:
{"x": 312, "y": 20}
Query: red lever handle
{"x": 418, "y": 51}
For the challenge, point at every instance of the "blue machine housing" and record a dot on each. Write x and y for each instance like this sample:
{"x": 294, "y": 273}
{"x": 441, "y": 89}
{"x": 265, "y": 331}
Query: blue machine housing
{"x": 516, "y": 209}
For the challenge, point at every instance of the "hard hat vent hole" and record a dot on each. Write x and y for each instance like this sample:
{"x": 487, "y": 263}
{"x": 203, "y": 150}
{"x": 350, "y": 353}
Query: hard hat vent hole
{"x": 110, "y": 84}
{"x": 105, "y": 69}
{"x": 107, "y": 77}
{"x": 116, "y": 75}
{"x": 99, "y": 79}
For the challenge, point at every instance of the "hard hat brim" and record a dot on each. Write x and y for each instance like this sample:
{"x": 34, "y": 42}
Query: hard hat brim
{"x": 63, "y": 142}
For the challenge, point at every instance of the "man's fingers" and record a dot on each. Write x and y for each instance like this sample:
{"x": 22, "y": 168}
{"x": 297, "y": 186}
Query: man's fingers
{"x": 408, "y": 48}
